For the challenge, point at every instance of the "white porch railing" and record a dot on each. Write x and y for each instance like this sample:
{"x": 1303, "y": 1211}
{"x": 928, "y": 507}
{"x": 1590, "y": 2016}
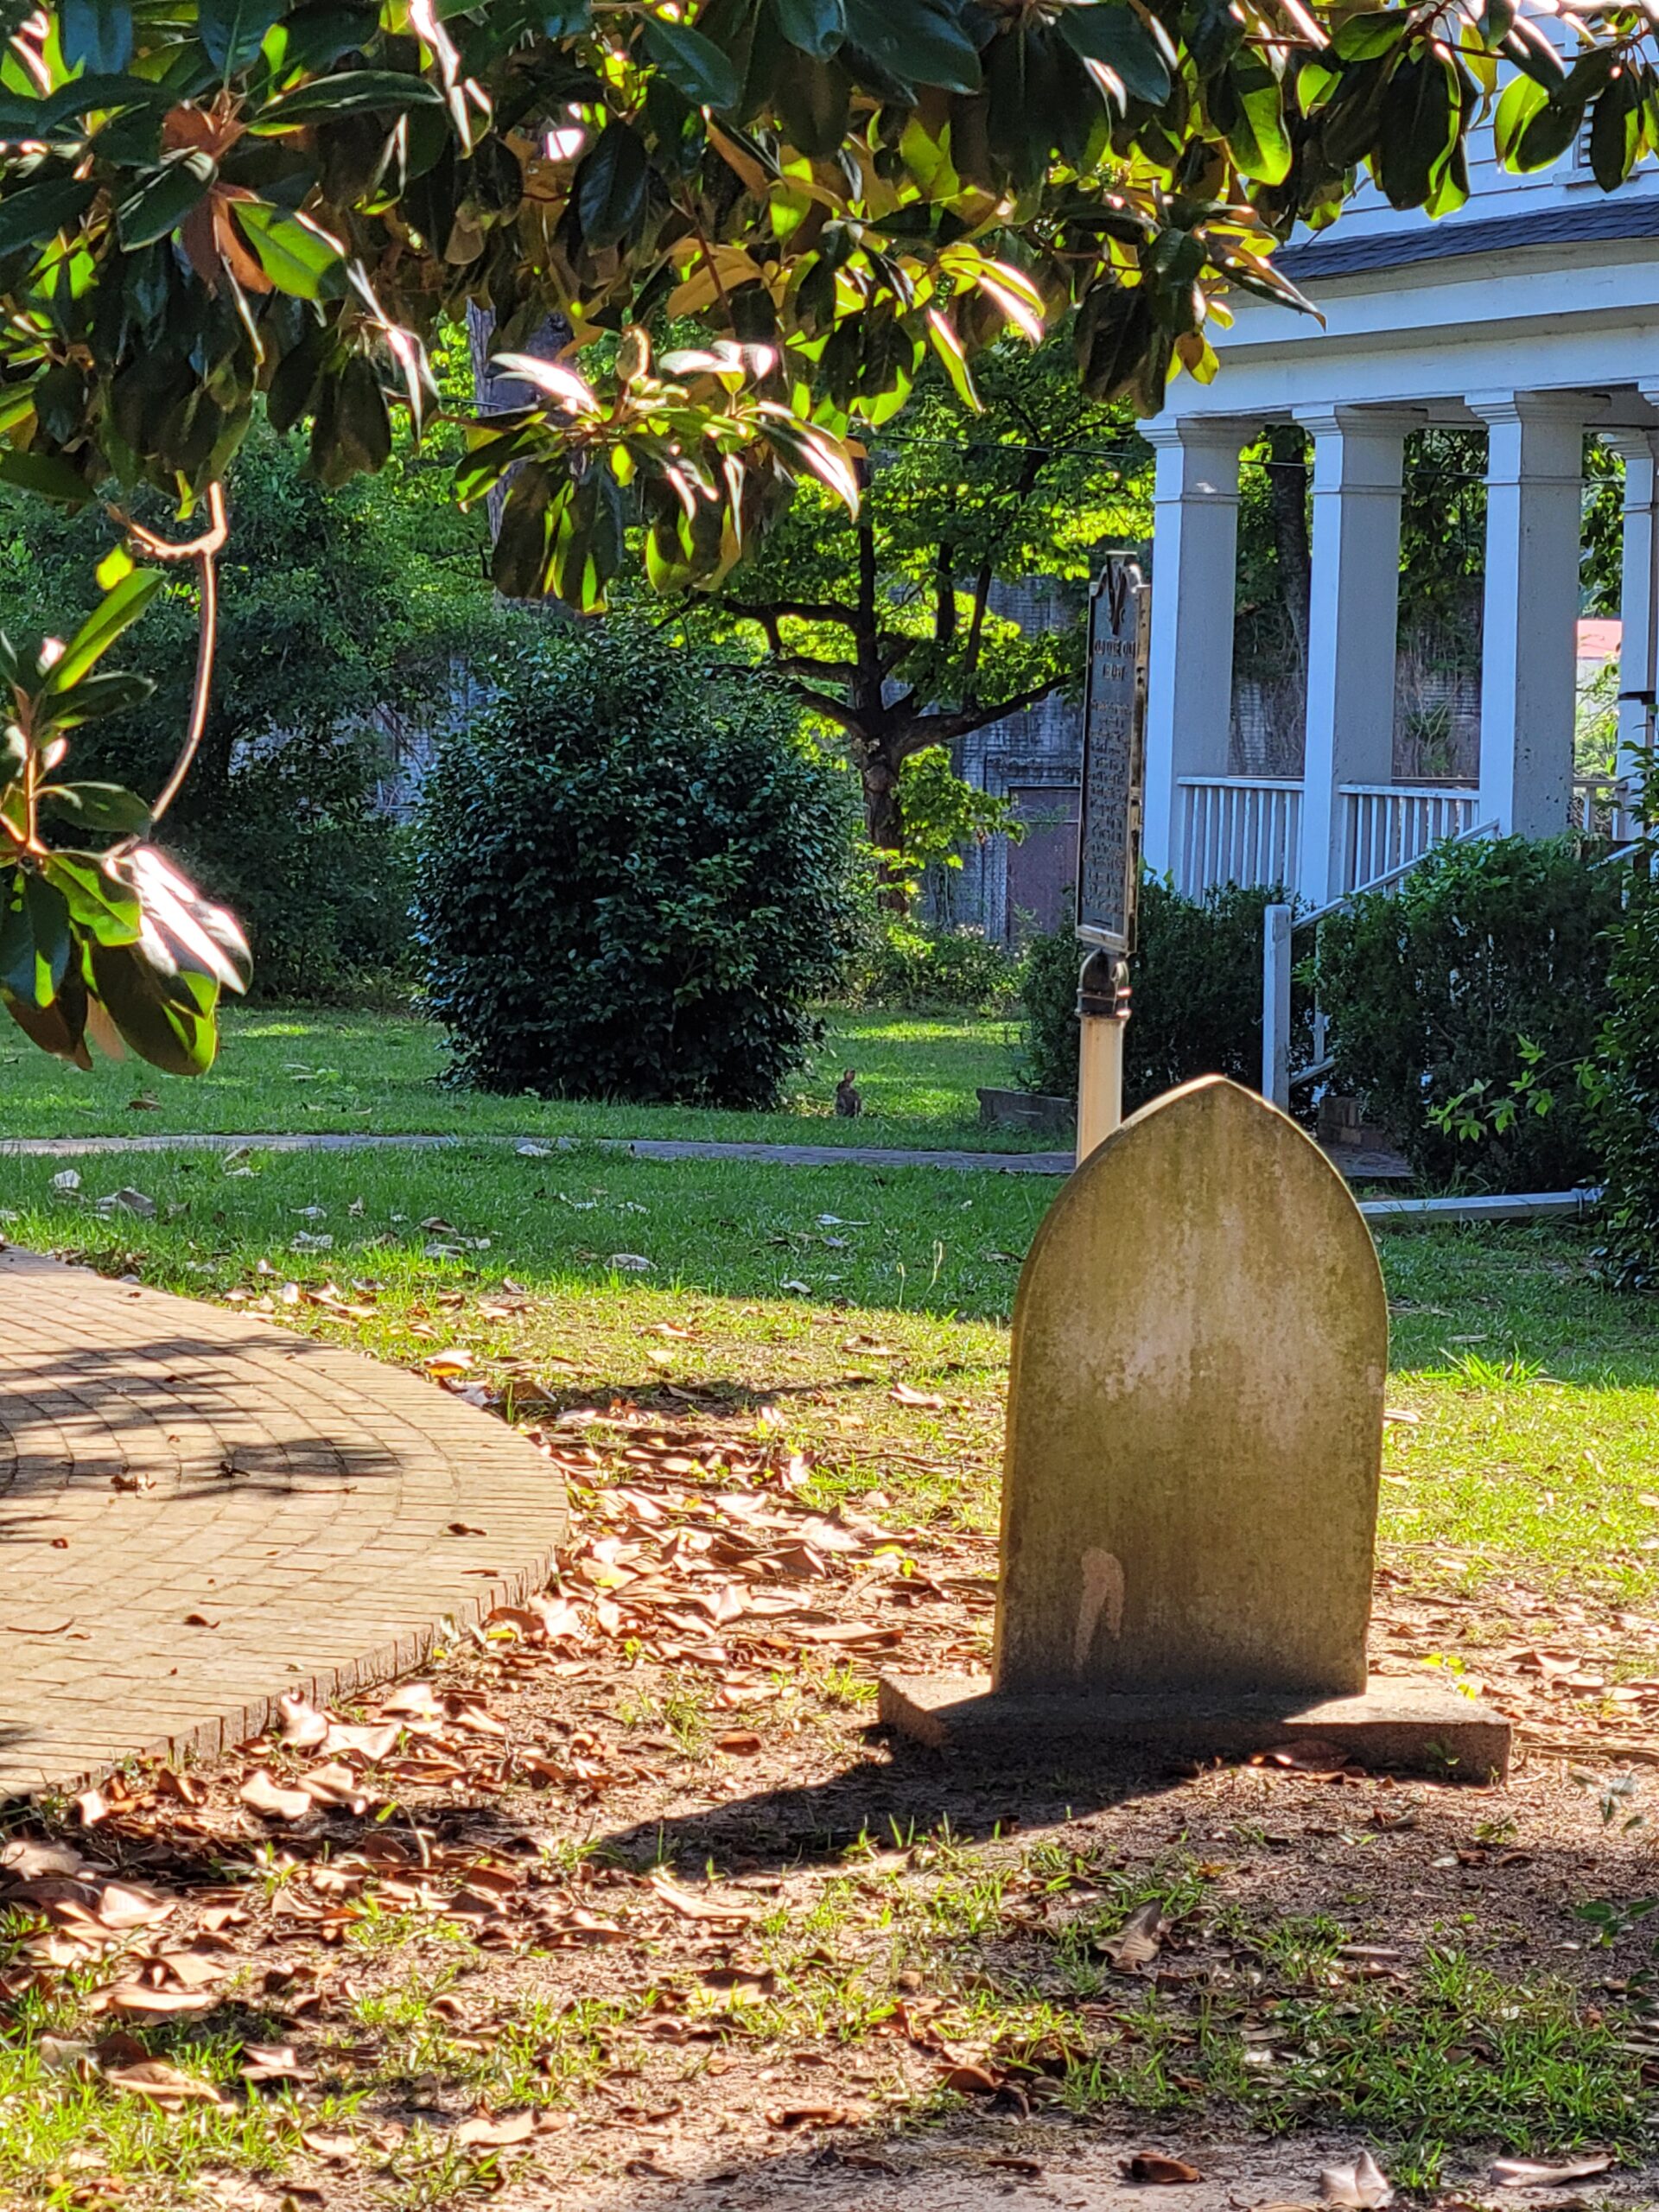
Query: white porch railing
{"x": 1247, "y": 829}
{"x": 1604, "y": 807}
{"x": 1238, "y": 829}
{"x": 1385, "y": 826}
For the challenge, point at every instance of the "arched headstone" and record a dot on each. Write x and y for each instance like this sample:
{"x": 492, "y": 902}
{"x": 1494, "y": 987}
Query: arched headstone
{"x": 1194, "y": 1445}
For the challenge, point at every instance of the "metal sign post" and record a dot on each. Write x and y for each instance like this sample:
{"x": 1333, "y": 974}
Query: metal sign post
{"x": 1109, "y": 838}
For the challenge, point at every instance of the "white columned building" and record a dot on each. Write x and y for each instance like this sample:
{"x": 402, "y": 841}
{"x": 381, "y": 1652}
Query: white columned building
{"x": 1531, "y": 318}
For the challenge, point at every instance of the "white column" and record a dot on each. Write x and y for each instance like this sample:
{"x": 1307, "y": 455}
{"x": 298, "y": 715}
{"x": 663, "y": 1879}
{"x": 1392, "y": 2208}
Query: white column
{"x": 1352, "y": 626}
{"x": 1638, "y": 588}
{"x": 1194, "y": 583}
{"x": 1535, "y": 489}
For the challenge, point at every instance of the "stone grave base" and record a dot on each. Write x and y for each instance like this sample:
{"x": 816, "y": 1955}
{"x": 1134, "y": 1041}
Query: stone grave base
{"x": 1404, "y": 1726}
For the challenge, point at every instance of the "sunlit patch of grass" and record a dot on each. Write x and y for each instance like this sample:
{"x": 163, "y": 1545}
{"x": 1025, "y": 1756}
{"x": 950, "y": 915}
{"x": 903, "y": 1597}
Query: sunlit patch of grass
{"x": 318, "y": 1069}
{"x": 679, "y": 1705}
{"x": 531, "y": 2050}
{"x": 1462, "y": 2057}
{"x": 916, "y": 1241}
{"x": 63, "y": 2127}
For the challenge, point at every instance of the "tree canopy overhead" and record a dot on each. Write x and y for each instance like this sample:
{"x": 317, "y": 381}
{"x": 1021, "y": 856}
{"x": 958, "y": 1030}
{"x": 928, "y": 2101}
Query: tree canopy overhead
{"x": 198, "y": 201}
{"x": 203, "y": 200}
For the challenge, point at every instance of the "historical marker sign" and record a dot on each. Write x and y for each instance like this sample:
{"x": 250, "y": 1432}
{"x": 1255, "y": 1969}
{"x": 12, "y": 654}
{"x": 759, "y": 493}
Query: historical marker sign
{"x": 1115, "y": 704}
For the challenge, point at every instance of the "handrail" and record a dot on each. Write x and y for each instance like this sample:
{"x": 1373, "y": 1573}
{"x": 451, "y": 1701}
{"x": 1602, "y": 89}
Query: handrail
{"x": 1393, "y": 874}
{"x": 1409, "y": 791}
{"x": 1239, "y": 783}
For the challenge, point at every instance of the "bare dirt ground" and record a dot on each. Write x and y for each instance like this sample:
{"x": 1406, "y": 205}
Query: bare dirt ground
{"x": 626, "y": 1901}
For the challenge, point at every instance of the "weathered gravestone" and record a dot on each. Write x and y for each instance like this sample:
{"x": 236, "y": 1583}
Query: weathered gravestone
{"x": 1194, "y": 1445}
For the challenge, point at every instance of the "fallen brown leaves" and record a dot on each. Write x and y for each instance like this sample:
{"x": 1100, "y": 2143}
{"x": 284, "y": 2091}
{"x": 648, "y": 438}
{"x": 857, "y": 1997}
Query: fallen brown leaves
{"x": 255, "y": 1900}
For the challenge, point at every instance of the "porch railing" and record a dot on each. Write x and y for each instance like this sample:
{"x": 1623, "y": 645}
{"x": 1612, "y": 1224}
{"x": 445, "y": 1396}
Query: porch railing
{"x": 1387, "y": 826}
{"x": 1247, "y": 829}
{"x": 1606, "y": 807}
{"x": 1238, "y": 829}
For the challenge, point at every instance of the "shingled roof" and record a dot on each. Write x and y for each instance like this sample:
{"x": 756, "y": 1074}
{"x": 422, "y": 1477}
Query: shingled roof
{"x": 1356, "y": 255}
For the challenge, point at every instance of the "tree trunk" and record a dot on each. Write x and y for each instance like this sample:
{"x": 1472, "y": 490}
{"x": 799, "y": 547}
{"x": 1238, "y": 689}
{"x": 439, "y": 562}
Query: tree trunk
{"x": 1288, "y": 503}
{"x": 879, "y": 764}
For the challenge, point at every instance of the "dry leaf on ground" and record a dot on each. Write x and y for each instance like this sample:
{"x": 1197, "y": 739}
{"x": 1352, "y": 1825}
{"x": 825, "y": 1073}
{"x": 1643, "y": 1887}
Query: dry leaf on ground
{"x": 1155, "y": 2167}
{"x": 267, "y": 1796}
{"x": 1364, "y": 2184}
{"x": 692, "y": 1906}
{"x": 485, "y": 2131}
{"x": 1533, "y": 2173}
{"x": 1136, "y": 1943}
{"x": 162, "y": 2083}
{"x": 137, "y": 2000}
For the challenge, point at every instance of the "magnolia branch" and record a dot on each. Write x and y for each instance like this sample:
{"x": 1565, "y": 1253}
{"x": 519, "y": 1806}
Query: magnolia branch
{"x": 204, "y": 551}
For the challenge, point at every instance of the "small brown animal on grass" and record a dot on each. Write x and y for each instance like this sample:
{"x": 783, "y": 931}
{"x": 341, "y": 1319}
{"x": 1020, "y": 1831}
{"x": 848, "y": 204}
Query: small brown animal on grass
{"x": 848, "y": 1102}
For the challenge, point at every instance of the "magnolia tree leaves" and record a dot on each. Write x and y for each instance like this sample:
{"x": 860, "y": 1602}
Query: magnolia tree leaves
{"x": 289, "y": 197}
{"x": 257, "y": 196}
{"x": 112, "y": 946}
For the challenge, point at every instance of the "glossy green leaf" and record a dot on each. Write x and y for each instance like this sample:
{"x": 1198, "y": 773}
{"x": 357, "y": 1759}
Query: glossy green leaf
{"x": 233, "y": 31}
{"x": 23, "y": 117}
{"x": 58, "y": 1028}
{"x": 94, "y": 697}
{"x": 1364, "y": 38}
{"x": 1547, "y": 135}
{"x": 918, "y": 41}
{"x": 35, "y": 942}
{"x": 815, "y": 27}
{"x": 1517, "y": 104}
{"x": 694, "y": 65}
{"x": 610, "y": 185}
{"x": 16, "y": 938}
{"x": 1111, "y": 32}
{"x": 95, "y": 33}
{"x": 97, "y": 806}
{"x": 38, "y": 211}
{"x": 160, "y": 1017}
{"x": 116, "y": 610}
{"x": 1258, "y": 138}
{"x": 45, "y": 475}
{"x": 354, "y": 92}
{"x": 294, "y": 383}
{"x": 519, "y": 558}
{"x": 1615, "y": 130}
{"x": 107, "y": 910}
{"x": 162, "y": 201}
{"x": 298, "y": 259}
{"x": 202, "y": 941}
{"x": 317, "y": 33}
{"x": 365, "y": 424}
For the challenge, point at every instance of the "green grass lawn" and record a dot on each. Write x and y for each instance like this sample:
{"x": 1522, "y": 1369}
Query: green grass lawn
{"x": 310, "y": 1071}
{"x": 1532, "y": 1437}
{"x": 860, "y": 1317}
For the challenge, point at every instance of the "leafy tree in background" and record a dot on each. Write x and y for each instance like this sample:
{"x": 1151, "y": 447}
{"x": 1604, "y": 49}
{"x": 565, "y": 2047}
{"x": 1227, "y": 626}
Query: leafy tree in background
{"x": 888, "y": 623}
{"x": 197, "y": 205}
{"x": 335, "y": 607}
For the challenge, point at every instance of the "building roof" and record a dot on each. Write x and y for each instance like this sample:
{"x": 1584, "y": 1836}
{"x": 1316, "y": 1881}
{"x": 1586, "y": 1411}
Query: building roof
{"x": 1636, "y": 217}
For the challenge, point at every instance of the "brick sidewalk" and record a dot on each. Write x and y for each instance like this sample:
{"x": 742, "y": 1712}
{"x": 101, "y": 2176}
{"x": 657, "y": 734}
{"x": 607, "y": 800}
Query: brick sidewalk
{"x": 161, "y": 1459}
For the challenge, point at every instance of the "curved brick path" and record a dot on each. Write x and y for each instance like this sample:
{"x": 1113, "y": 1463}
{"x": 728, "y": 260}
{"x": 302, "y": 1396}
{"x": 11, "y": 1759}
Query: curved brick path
{"x": 161, "y": 1459}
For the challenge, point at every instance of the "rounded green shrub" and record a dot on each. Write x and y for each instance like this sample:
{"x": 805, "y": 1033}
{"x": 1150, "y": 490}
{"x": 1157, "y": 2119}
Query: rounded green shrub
{"x": 631, "y": 879}
{"x": 1627, "y": 1091}
{"x": 1465, "y": 1009}
{"x": 900, "y": 963}
{"x": 1196, "y": 994}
